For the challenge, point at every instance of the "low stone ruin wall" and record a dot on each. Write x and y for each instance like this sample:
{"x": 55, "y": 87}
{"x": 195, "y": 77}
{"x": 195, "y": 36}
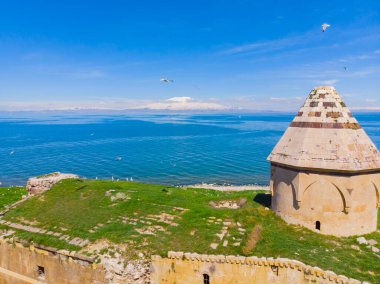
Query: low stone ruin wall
{"x": 20, "y": 265}
{"x": 181, "y": 267}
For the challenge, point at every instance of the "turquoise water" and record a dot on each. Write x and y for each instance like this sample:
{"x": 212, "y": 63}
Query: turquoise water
{"x": 168, "y": 149}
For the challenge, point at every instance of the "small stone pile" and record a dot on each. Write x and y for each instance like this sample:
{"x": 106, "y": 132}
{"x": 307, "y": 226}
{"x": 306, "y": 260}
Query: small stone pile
{"x": 228, "y": 204}
{"x": 37, "y": 185}
{"x": 370, "y": 244}
{"x": 115, "y": 196}
{"x": 119, "y": 267}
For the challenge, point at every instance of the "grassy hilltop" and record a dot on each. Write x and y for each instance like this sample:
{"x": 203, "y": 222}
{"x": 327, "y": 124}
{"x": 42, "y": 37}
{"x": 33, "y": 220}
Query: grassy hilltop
{"x": 153, "y": 219}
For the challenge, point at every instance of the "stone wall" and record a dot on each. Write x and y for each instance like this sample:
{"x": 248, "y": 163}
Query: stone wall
{"x": 19, "y": 265}
{"x": 181, "y": 267}
{"x": 343, "y": 204}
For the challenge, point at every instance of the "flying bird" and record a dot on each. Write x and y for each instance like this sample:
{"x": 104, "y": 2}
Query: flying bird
{"x": 324, "y": 27}
{"x": 166, "y": 80}
{"x": 345, "y": 68}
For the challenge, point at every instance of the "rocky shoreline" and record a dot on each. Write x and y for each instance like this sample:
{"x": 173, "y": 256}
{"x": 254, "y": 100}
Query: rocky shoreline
{"x": 229, "y": 187}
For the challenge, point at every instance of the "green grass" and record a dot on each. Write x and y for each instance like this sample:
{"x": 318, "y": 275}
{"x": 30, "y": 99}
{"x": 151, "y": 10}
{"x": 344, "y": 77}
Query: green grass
{"x": 74, "y": 207}
{"x": 9, "y": 195}
{"x": 48, "y": 241}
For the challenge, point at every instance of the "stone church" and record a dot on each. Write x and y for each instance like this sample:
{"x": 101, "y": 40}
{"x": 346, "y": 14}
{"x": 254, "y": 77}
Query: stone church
{"x": 325, "y": 170}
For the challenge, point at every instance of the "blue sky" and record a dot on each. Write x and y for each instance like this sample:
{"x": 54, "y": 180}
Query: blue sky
{"x": 256, "y": 55}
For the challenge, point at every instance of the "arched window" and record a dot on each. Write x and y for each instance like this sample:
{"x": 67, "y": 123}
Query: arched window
{"x": 206, "y": 279}
{"x": 318, "y": 225}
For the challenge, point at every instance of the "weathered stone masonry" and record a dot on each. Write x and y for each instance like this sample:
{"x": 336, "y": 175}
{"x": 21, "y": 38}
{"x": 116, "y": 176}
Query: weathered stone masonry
{"x": 181, "y": 267}
{"x": 32, "y": 264}
{"x": 325, "y": 170}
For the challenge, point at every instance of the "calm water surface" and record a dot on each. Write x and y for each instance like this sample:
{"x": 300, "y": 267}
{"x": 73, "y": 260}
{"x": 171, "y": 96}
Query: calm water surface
{"x": 168, "y": 149}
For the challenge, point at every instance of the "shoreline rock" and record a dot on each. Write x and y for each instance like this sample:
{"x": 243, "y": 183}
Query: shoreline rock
{"x": 37, "y": 185}
{"x": 247, "y": 187}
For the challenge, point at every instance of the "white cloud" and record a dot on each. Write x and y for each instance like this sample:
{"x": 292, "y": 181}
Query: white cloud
{"x": 183, "y": 103}
{"x": 234, "y": 103}
{"x": 82, "y": 74}
{"x": 106, "y": 104}
{"x": 348, "y": 95}
{"x": 371, "y": 100}
{"x": 249, "y": 47}
{"x": 180, "y": 99}
{"x": 364, "y": 57}
{"x": 374, "y": 108}
{"x": 175, "y": 103}
{"x": 309, "y": 41}
{"x": 88, "y": 74}
{"x": 364, "y": 72}
{"x": 265, "y": 46}
{"x": 286, "y": 99}
{"x": 279, "y": 99}
{"x": 328, "y": 82}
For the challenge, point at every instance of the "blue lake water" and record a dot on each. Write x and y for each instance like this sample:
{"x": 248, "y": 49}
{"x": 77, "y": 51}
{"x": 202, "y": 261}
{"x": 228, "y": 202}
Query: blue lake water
{"x": 168, "y": 149}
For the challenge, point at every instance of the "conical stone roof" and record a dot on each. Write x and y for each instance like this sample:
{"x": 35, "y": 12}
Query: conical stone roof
{"x": 324, "y": 135}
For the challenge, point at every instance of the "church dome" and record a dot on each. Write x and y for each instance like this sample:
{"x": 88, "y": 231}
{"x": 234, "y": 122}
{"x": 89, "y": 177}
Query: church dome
{"x": 325, "y": 135}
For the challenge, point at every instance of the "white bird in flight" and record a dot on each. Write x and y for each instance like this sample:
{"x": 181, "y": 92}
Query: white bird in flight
{"x": 166, "y": 80}
{"x": 324, "y": 27}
